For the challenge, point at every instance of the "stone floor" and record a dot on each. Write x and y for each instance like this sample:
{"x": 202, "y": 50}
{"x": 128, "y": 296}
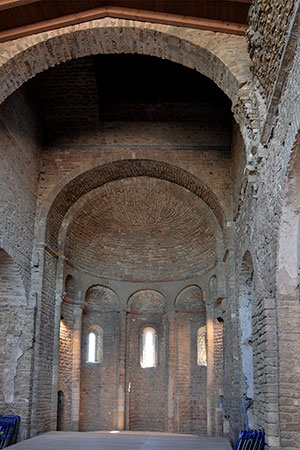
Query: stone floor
{"x": 121, "y": 441}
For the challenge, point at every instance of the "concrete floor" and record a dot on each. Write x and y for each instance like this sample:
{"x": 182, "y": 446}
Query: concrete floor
{"x": 121, "y": 441}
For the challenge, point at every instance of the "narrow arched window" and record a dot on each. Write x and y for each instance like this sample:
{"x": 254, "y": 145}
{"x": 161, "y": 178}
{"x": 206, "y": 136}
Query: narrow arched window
{"x": 201, "y": 346}
{"x": 148, "y": 356}
{"x": 95, "y": 345}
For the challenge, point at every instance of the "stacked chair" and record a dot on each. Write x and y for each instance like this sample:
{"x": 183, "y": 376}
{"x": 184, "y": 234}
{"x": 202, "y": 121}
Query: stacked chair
{"x": 250, "y": 440}
{"x": 9, "y": 426}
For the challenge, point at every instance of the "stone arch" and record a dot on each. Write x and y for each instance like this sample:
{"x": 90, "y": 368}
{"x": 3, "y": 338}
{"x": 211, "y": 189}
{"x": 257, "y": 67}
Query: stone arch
{"x": 16, "y": 343}
{"x": 205, "y": 51}
{"x": 147, "y": 301}
{"x": 102, "y": 298}
{"x": 190, "y": 299}
{"x": 63, "y": 197}
{"x": 246, "y": 311}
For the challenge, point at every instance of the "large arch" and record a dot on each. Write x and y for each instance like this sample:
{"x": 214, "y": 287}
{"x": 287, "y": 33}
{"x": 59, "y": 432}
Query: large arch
{"x": 220, "y": 57}
{"x": 64, "y": 196}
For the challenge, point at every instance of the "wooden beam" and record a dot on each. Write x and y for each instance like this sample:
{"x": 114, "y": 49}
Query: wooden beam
{"x": 240, "y": 1}
{"x": 123, "y": 13}
{"x": 9, "y": 4}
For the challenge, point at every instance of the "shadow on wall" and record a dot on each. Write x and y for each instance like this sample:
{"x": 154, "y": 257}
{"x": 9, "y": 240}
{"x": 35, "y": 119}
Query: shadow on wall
{"x": 16, "y": 341}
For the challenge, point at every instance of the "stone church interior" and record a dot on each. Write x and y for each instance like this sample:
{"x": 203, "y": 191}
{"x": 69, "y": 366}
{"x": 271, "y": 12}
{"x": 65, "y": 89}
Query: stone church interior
{"x": 149, "y": 217}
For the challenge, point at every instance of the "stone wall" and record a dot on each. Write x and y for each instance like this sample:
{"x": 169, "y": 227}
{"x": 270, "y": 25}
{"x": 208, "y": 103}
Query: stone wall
{"x": 99, "y": 380}
{"x": 149, "y": 405}
{"x": 258, "y": 231}
{"x": 16, "y": 344}
{"x": 20, "y": 136}
{"x": 267, "y": 36}
{"x": 64, "y": 420}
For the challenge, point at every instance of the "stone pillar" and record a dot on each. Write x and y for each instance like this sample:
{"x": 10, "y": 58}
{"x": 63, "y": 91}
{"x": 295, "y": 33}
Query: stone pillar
{"x": 55, "y": 363}
{"x": 171, "y": 371}
{"x": 210, "y": 375}
{"x": 219, "y": 375}
{"x": 122, "y": 372}
{"x": 76, "y": 366}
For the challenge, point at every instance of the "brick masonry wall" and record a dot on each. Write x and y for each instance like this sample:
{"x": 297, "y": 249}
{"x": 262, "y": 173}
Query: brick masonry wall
{"x": 259, "y": 223}
{"x": 148, "y": 386}
{"x": 16, "y": 344}
{"x": 69, "y": 97}
{"x": 99, "y": 380}
{"x": 190, "y": 390}
{"x": 267, "y": 34}
{"x": 43, "y": 362}
{"x": 64, "y": 422}
{"x": 20, "y": 138}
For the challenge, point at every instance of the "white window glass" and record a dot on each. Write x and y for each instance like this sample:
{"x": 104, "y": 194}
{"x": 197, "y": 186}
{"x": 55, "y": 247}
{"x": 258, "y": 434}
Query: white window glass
{"x": 201, "y": 347}
{"x": 95, "y": 344}
{"x": 149, "y": 348}
{"x": 92, "y": 347}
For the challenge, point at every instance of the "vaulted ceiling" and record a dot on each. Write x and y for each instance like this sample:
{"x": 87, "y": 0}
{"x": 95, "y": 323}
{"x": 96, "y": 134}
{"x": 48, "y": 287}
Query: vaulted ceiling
{"x": 23, "y": 17}
{"x": 141, "y": 229}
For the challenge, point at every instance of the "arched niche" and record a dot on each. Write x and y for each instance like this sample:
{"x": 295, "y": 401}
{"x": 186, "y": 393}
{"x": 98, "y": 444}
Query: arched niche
{"x": 246, "y": 311}
{"x": 100, "y": 328}
{"x": 71, "y": 288}
{"x": 16, "y": 343}
{"x": 147, "y": 301}
{"x": 191, "y": 354}
{"x": 146, "y": 318}
{"x": 190, "y": 299}
{"x": 102, "y": 298}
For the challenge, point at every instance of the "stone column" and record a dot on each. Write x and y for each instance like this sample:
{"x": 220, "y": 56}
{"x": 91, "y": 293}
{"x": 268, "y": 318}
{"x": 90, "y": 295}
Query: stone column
{"x": 210, "y": 375}
{"x": 55, "y": 364}
{"x": 76, "y": 366}
{"x": 57, "y": 315}
{"x": 171, "y": 371}
{"x": 122, "y": 372}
